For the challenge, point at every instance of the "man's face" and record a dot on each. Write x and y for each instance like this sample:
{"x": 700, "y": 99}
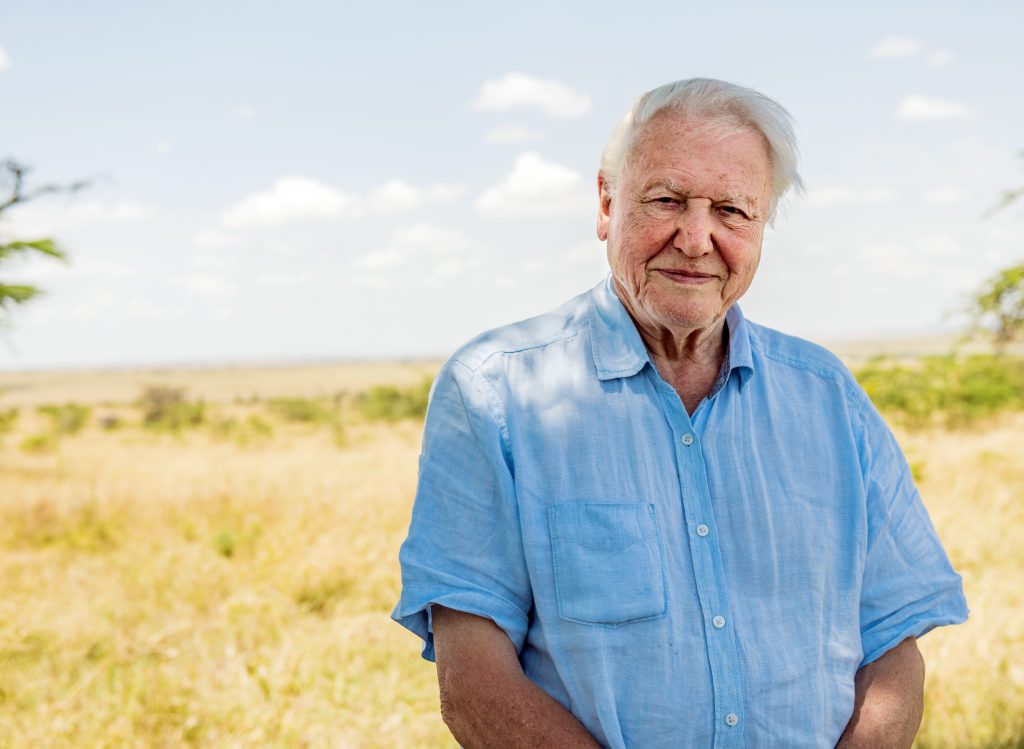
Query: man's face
{"x": 685, "y": 223}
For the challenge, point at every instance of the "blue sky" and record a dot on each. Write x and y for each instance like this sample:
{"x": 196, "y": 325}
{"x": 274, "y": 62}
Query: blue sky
{"x": 314, "y": 179}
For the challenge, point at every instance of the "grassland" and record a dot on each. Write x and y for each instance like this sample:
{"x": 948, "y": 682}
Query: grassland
{"x": 228, "y": 583}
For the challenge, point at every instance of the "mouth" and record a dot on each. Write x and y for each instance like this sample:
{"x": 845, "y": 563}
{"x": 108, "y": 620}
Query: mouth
{"x": 687, "y": 277}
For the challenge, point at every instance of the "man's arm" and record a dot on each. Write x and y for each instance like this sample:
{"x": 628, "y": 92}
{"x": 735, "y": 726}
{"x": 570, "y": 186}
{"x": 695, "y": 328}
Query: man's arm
{"x": 486, "y": 700}
{"x": 888, "y": 702}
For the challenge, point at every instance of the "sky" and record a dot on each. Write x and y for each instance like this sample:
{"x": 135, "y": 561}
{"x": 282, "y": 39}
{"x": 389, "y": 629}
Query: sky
{"x": 322, "y": 180}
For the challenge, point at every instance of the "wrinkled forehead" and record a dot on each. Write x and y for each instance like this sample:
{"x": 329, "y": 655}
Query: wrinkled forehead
{"x": 671, "y": 148}
{"x": 666, "y": 128}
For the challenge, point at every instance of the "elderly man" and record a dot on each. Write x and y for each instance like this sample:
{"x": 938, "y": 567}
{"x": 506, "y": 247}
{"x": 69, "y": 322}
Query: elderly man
{"x": 643, "y": 520}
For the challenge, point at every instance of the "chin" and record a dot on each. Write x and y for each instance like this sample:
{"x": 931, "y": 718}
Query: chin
{"x": 687, "y": 318}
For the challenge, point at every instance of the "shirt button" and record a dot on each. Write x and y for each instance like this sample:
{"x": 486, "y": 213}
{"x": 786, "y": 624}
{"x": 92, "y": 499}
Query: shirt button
{"x": 718, "y": 622}
{"x": 731, "y": 719}
{"x": 702, "y": 530}
{"x": 687, "y": 439}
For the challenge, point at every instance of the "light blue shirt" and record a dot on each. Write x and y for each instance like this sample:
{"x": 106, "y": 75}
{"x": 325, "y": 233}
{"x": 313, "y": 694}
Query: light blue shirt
{"x": 712, "y": 580}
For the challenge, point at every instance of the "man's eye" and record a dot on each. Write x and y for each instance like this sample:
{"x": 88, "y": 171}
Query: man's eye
{"x": 732, "y": 211}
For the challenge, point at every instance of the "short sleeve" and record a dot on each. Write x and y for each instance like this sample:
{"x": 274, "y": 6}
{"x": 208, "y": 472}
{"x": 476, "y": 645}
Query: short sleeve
{"x": 909, "y": 586}
{"x": 464, "y": 548}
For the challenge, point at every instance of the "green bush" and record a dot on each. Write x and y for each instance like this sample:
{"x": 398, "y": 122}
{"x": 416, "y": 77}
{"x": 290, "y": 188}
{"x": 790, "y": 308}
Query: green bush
{"x": 242, "y": 432}
{"x": 7, "y": 418}
{"x": 945, "y": 390}
{"x": 302, "y": 410}
{"x": 165, "y": 408}
{"x": 66, "y": 419}
{"x": 40, "y": 443}
{"x": 390, "y": 403}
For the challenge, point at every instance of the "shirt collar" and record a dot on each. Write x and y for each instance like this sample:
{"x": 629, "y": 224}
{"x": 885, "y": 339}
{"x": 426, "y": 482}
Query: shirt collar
{"x": 620, "y": 352}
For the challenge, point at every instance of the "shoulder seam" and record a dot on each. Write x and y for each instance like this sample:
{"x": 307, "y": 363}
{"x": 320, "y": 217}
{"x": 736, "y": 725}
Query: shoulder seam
{"x": 564, "y": 335}
{"x": 853, "y": 395}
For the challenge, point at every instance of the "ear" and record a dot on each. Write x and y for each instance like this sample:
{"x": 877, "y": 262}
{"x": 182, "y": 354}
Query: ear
{"x": 605, "y": 207}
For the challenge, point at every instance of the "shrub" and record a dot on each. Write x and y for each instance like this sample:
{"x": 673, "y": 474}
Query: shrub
{"x": 390, "y": 403}
{"x": 39, "y": 443}
{"x": 947, "y": 390}
{"x": 165, "y": 408}
{"x": 7, "y": 418}
{"x": 66, "y": 419}
{"x": 303, "y": 410}
{"x": 253, "y": 428}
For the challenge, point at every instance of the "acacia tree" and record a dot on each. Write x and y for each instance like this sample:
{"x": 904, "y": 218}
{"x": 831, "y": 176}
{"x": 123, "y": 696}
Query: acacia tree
{"x": 13, "y": 192}
{"x": 998, "y": 305}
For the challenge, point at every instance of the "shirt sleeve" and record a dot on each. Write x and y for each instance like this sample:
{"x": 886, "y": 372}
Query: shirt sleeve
{"x": 909, "y": 586}
{"x": 464, "y": 549}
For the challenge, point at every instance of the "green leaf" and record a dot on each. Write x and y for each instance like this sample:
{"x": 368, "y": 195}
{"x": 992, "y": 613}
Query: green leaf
{"x": 16, "y": 294}
{"x": 44, "y": 246}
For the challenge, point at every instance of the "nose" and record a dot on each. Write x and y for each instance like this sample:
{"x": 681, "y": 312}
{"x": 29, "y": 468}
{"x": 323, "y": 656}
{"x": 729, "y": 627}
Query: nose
{"x": 694, "y": 229}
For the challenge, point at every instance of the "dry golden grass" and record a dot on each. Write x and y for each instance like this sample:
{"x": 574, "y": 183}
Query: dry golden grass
{"x": 214, "y": 384}
{"x": 191, "y": 590}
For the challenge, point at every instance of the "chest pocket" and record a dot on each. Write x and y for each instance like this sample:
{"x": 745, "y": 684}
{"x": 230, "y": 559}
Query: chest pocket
{"x": 607, "y": 562}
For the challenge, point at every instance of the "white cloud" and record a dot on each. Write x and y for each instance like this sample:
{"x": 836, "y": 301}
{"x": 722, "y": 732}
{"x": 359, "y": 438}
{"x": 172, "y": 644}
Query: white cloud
{"x": 202, "y": 284}
{"x": 516, "y": 91}
{"x": 397, "y": 196}
{"x": 890, "y": 259}
{"x": 292, "y": 199}
{"x": 937, "y": 244}
{"x": 284, "y": 278}
{"x": 105, "y": 269}
{"x": 214, "y": 239}
{"x": 442, "y": 272}
{"x": 443, "y": 193}
{"x": 246, "y": 112}
{"x": 938, "y": 59}
{"x": 896, "y": 45}
{"x": 429, "y": 238}
{"x": 302, "y": 199}
{"x": 5, "y": 60}
{"x": 95, "y": 212}
{"x": 388, "y": 259}
{"x": 141, "y": 308}
{"x": 505, "y": 134}
{"x": 943, "y": 195}
{"x": 922, "y": 108}
{"x": 846, "y": 196}
{"x": 370, "y": 282}
{"x": 212, "y": 262}
{"x": 49, "y": 217}
{"x": 163, "y": 147}
{"x": 590, "y": 252}
{"x": 394, "y": 197}
{"x": 537, "y": 187}
{"x": 408, "y": 242}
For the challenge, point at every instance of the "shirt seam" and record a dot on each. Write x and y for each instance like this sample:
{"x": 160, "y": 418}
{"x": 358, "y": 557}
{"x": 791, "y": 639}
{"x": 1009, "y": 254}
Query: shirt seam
{"x": 544, "y": 342}
{"x": 853, "y": 396}
{"x": 495, "y": 406}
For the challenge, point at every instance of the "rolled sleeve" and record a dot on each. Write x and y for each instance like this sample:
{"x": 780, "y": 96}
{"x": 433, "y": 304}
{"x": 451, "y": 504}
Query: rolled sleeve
{"x": 909, "y": 586}
{"x": 464, "y": 550}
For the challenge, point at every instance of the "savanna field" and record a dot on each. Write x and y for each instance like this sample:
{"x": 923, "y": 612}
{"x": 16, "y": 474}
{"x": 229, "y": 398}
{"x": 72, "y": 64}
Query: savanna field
{"x": 209, "y": 558}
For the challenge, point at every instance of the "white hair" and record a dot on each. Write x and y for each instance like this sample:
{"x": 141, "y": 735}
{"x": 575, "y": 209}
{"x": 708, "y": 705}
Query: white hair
{"x": 723, "y": 106}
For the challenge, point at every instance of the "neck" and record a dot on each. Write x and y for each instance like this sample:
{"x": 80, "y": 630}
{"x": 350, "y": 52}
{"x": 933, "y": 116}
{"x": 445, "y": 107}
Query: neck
{"x": 688, "y": 360}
